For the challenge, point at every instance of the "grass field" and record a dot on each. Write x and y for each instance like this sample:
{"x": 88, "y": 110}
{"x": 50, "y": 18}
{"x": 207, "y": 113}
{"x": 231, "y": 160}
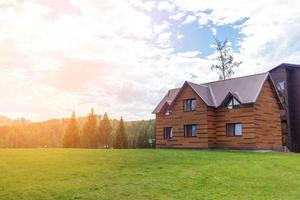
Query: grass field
{"x": 147, "y": 174}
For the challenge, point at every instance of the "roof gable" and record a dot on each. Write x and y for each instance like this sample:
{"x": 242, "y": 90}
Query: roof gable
{"x": 200, "y": 90}
{"x": 168, "y": 99}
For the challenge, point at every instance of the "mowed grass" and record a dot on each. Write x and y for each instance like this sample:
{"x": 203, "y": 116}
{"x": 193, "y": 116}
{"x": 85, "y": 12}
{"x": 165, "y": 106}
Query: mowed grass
{"x": 147, "y": 174}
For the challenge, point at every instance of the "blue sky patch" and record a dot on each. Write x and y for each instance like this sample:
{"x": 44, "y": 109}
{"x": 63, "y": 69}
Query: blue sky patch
{"x": 198, "y": 37}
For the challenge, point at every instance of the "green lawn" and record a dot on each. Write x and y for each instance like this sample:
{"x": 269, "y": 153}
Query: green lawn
{"x": 147, "y": 174}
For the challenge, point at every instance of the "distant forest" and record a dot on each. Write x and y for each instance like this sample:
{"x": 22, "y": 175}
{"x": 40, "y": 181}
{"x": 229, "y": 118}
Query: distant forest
{"x": 22, "y": 133}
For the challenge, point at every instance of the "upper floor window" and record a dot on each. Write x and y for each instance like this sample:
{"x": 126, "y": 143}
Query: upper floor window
{"x": 280, "y": 87}
{"x": 189, "y": 105}
{"x": 190, "y": 130}
{"x": 168, "y": 132}
{"x": 234, "y": 129}
{"x": 233, "y": 103}
{"x": 168, "y": 112}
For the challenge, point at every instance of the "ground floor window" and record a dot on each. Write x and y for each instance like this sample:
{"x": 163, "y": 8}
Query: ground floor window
{"x": 168, "y": 132}
{"x": 190, "y": 130}
{"x": 234, "y": 129}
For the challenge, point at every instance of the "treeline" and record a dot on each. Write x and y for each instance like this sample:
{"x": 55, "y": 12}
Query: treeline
{"x": 93, "y": 131}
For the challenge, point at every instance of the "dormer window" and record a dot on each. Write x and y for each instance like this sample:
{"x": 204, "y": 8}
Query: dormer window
{"x": 189, "y": 105}
{"x": 233, "y": 103}
{"x": 168, "y": 112}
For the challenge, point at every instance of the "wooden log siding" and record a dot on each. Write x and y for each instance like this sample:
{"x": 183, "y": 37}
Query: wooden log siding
{"x": 244, "y": 115}
{"x": 179, "y": 118}
{"x": 267, "y": 119}
{"x": 261, "y": 128}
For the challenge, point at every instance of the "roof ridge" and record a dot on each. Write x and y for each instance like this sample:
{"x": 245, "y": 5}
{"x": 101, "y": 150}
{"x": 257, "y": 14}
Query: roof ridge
{"x": 235, "y": 78}
{"x": 196, "y": 84}
{"x": 204, "y": 84}
{"x": 290, "y": 64}
{"x": 287, "y": 65}
{"x": 212, "y": 95}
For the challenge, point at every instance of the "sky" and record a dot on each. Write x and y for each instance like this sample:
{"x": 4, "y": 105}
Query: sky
{"x": 121, "y": 57}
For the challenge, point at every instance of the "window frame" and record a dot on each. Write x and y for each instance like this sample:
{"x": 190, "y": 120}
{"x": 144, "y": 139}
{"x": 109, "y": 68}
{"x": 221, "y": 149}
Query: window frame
{"x": 186, "y": 130}
{"x": 188, "y": 105}
{"x": 234, "y": 134}
{"x": 280, "y": 86}
{"x": 231, "y": 103}
{"x": 168, "y": 136}
{"x": 168, "y": 112}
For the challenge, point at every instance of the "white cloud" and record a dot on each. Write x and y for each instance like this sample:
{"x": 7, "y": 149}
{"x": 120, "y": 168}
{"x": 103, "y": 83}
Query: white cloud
{"x": 164, "y": 40}
{"x": 165, "y": 5}
{"x": 214, "y": 31}
{"x": 179, "y": 36}
{"x": 177, "y": 16}
{"x": 189, "y": 19}
{"x": 189, "y": 54}
{"x": 160, "y": 28}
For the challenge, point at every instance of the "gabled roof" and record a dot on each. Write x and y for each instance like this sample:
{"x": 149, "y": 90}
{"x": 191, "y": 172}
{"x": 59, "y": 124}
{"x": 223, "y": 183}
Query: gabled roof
{"x": 168, "y": 99}
{"x": 245, "y": 89}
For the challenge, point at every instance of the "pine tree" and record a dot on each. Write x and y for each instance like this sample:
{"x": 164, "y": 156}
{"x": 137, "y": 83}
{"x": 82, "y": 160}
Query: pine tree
{"x": 143, "y": 137}
{"x": 89, "y": 131}
{"x": 104, "y": 131}
{"x": 71, "y": 138}
{"x": 121, "y": 137}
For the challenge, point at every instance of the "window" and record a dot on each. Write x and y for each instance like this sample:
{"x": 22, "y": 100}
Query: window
{"x": 280, "y": 87}
{"x": 168, "y": 112}
{"x": 233, "y": 103}
{"x": 168, "y": 132}
{"x": 190, "y": 130}
{"x": 234, "y": 129}
{"x": 189, "y": 105}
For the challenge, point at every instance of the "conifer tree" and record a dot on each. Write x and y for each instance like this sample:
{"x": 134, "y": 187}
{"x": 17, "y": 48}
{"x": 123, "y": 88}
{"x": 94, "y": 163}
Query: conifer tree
{"x": 71, "y": 138}
{"x": 121, "y": 136}
{"x": 104, "y": 131}
{"x": 89, "y": 131}
{"x": 143, "y": 137}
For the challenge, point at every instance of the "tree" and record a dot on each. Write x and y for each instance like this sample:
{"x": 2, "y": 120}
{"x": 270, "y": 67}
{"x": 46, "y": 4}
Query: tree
{"x": 89, "y": 131}
{"x": 121, "y": 136}
{"x": 71, "y": 138}
{"x": 104, "y": 131}
{"x": 225, "y": 60}
{"x": 142, "y": 140}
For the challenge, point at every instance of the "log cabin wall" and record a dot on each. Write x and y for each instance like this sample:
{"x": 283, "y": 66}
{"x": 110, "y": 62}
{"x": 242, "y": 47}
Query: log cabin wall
{"x": 179, "y": 118}
{"x": 267, "y": 119}
{"x": 211, "y": 126}
{"x": 244, "y": 115}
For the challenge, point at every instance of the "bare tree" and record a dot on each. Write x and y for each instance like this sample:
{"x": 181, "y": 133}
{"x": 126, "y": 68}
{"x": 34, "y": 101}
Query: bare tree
{"x": 225, "y": 60}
